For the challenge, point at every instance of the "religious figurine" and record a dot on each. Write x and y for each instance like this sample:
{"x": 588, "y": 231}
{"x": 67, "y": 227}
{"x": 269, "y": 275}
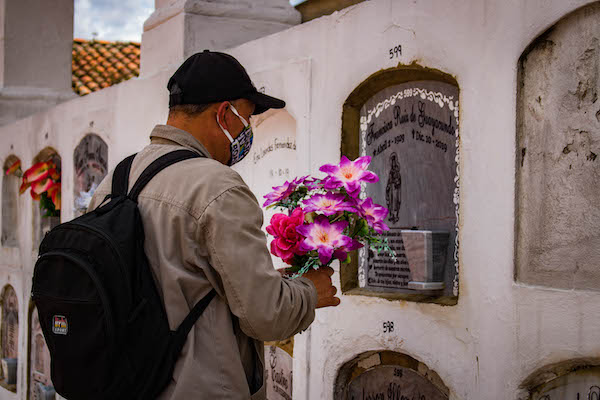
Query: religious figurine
{"x": 393, "y": 189}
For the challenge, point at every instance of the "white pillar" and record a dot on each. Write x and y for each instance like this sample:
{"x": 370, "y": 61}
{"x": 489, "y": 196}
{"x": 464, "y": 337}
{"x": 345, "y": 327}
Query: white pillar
{"x": 179, "y": 28}
{"x": 36, "y": 41}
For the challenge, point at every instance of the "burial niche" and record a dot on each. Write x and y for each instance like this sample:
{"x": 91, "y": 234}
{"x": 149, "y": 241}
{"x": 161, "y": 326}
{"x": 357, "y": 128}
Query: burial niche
{"x": 388, "y": 375}
{"x": 90, "y": 160}
{"x": 10, "y": 205}
{"x": 558, "y": 212}
{"x": 573, "y": 379}
{"x": 406, "y": 120}
{"x": 10, "y": 337}
{"x": 279, "y": 361}
{"x": 272, "y": 159}
{"x": 45, "y": 214}
{"x": 40, "y": 383}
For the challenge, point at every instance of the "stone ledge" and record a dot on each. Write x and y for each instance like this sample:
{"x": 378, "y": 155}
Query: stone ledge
{"x": 241, "y": 10}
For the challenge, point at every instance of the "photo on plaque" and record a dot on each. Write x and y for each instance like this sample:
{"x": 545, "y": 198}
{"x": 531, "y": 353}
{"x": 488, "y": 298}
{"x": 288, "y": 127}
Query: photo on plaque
{"x": 410, "y": 131}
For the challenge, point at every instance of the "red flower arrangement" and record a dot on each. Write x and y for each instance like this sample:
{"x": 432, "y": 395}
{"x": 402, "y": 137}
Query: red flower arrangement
{"x": 44, "y": 180}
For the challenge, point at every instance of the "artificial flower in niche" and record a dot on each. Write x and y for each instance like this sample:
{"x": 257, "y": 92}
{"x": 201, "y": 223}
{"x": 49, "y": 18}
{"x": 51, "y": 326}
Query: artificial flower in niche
{"x": 348, "y": 174}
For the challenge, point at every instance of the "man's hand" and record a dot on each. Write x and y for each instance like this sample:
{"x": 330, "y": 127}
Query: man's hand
{"x": 321, "y": 278}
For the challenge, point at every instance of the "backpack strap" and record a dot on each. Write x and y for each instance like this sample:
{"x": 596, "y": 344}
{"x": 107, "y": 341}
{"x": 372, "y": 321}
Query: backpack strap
{"x": 158, "y": 165}
{"x": 186, "y": 326}
{"x": 120, "y": 180}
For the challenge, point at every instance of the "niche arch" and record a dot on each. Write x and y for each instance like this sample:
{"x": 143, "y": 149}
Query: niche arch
{"x": 570, "y": 379}
{"x": 9, "y": 336}
{"x": 386, "y": 107}
{"x": 38, "y": 366}
{"x": 389, "y": 374}
{"x": 41, "y": 224}
{"x": 10, "y": 202}
{"x": 90, "y": 162}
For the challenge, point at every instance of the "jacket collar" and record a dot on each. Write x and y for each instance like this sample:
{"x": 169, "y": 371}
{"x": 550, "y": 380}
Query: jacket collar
{"x": 167, "y": 134}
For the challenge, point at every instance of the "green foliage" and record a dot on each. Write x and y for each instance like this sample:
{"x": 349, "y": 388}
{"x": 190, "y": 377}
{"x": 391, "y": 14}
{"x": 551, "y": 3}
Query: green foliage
{"x": 47, "y": 206}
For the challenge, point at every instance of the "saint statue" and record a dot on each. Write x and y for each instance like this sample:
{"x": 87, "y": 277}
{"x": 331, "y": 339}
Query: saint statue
{"x": 393, "y": 189}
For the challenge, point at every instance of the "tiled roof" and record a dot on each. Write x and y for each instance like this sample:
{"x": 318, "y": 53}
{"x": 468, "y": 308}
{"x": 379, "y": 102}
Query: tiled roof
{"x": 98, "y": 64}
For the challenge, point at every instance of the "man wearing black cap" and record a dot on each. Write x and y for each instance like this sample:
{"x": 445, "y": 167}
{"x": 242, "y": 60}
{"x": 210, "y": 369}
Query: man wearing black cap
{"x": 203, "y": 231}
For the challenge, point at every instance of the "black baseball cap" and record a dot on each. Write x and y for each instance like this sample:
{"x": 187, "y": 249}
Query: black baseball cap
{"x": 211, "y": 77}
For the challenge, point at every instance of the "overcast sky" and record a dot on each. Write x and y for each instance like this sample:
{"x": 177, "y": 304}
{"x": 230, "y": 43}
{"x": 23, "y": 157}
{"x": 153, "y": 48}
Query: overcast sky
{"x": 114, "y": 19}
{"x": 111, "y": 19}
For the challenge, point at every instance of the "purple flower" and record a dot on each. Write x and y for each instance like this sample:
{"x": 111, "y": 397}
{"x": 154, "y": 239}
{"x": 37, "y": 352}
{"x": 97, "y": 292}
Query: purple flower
{"x": 348, "y": 174}
{"x": 328, "y": 204}
{"x": 342, "y": 253}
{"x": 307, "y": 181}
{"x": 279, "y": 193}
{"x": 374, "y": 214}
{"x": 324, "y": 237}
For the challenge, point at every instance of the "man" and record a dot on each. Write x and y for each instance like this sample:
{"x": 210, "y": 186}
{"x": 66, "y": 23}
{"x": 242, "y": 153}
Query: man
{"x": 203, "y": 230}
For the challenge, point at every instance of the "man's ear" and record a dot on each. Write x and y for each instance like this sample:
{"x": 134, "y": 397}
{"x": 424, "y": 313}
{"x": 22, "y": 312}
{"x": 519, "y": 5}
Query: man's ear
{"x": 223, "y": 107}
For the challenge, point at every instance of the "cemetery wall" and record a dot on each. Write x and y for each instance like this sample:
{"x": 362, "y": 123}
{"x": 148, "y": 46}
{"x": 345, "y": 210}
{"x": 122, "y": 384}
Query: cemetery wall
{"x": 501, "y": 330}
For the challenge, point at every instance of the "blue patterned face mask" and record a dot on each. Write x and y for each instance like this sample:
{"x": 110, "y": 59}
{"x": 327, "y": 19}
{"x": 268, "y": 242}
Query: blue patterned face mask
{"x": 240, "y": 147}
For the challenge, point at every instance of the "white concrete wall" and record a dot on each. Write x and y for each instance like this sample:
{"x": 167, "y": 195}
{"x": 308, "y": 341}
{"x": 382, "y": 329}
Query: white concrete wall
{"x": 500, "y": 331}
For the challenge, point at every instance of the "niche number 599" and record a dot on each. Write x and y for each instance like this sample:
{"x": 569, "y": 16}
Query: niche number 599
{"x": 395, "y": 52}
{"x": 388, "y": 327}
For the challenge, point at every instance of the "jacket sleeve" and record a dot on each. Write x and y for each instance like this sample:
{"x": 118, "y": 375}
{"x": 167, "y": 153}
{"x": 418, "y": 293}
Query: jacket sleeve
{"x": 268, "y": 306}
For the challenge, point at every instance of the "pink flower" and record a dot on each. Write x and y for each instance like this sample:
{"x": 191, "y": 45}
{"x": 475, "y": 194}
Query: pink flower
{"x": 328, "y": 204}
{"x": 279, "y": 193}
{"x": 287, "y": 240}
{"x": 324, "y": 237}
{"x": 348, "y": 174}
{"x": 374, "y": 214}
{"x": 308, "y": 182}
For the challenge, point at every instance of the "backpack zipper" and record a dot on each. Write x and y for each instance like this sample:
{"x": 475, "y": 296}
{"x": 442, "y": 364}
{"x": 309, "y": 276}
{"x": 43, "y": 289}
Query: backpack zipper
{"x": 101, "y": 292}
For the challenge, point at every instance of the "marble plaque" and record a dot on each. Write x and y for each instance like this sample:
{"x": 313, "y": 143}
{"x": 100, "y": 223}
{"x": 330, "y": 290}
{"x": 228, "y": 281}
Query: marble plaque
{"x": 10, "y": 324}
{"x": 578, "y": 385}
{"x": 390, "y": 382}
{"x": 411, "y": 132}
{"x": 10, "y": 210}
{"x": 39, "y": 361}
{"x": 278, "y": 373}
{"x": 91, "y": 165}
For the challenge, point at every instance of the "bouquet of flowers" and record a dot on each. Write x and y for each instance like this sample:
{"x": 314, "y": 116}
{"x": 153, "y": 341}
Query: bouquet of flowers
{"x": 44, "y": 180}
{"x": 326, "y": 218}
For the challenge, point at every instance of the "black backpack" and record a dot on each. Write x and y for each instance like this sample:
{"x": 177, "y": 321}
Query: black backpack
{"x": 99, "y": 308}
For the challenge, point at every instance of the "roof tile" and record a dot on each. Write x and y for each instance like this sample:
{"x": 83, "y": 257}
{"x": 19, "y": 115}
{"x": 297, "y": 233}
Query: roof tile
{"x": 98, "y": 64}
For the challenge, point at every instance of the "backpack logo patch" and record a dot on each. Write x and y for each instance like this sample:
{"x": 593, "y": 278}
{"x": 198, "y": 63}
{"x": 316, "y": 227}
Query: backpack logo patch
{"x": 61, "y": 326}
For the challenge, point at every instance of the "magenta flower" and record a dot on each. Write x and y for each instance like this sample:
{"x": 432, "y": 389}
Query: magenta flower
{"x": 374, "y": 214}
{"x": 324, "y": 237}
{"x": 301, "y": 179}
{"x": 279, "y": 193}
{"x": 342, "y": 253}
{"x": 328, "y": 204}
{"x": 287, "y": 240}
{"x": 307, "y": 181}
{"x": 348, "y": 174}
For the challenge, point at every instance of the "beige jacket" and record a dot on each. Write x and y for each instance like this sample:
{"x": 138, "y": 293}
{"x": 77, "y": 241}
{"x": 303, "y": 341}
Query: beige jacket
{"x": 203, "y": 230}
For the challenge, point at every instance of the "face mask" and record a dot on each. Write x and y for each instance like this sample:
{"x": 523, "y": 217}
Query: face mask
{"x": 240, "y": 147}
